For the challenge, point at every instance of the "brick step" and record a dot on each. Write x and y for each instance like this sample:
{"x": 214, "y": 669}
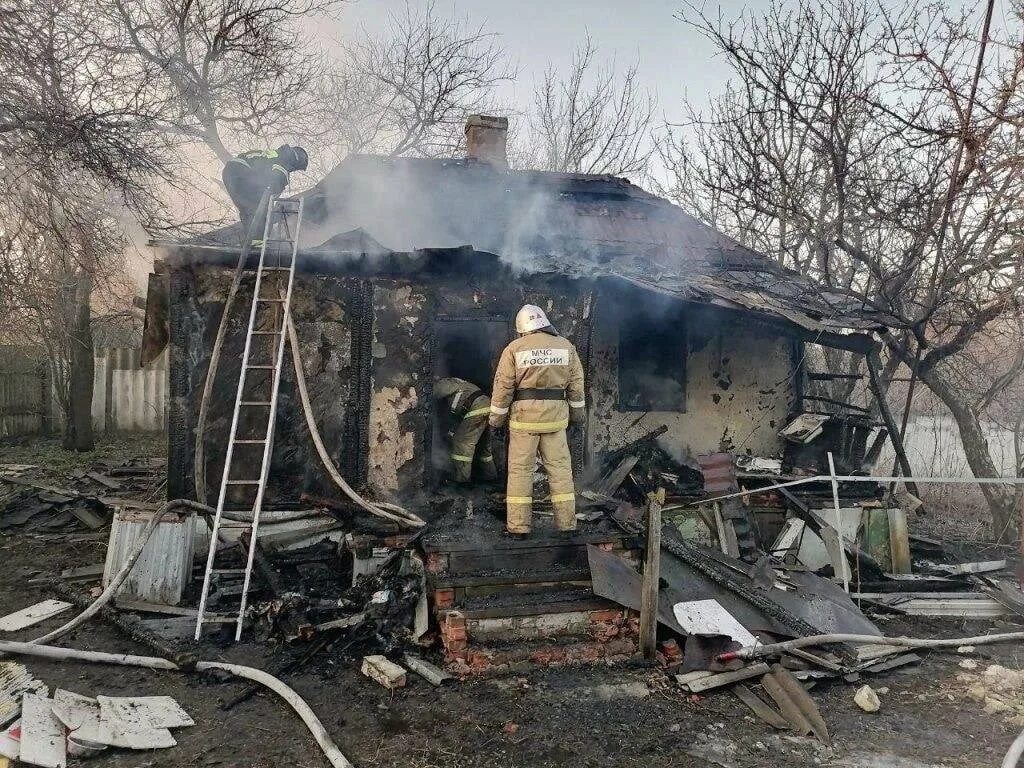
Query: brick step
{"x": 448, "y": 591}
{"x": 582, "y": 633}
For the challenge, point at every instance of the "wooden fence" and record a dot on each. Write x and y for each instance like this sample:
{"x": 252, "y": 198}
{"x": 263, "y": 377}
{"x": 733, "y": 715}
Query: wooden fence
{"x": 126, "y": 398}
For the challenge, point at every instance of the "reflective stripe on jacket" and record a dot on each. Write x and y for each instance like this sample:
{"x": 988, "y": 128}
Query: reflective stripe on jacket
{"x": 538, "y": 360}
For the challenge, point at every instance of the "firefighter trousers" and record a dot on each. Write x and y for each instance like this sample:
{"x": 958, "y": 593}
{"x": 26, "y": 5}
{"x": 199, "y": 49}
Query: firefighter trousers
{"x": 523, "y": 448}
{"x": 471, "y": 443}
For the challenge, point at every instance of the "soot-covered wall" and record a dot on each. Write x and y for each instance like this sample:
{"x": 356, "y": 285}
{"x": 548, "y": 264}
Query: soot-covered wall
{"x": 332, "y": 317}
{"x": 369, "y": 352}
{"x": 406, "y": 360}
{"x": 740, "y": 381}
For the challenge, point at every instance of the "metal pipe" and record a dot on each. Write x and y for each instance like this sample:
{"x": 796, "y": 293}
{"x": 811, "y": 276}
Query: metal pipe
{"x": 775, "y": 649}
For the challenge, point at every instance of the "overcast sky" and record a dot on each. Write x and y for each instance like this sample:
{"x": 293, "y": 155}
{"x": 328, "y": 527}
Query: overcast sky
{"x": 673, "y": 60}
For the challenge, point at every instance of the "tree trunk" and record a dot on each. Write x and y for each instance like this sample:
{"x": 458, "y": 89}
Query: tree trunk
{"x": 1001, "y": 499}
{"x": 79, "y": 435}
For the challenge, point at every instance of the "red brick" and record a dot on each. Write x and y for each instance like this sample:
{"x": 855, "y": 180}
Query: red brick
{"x": 606, "y": 615}
{"x": 444, "y": 598}
{"x": 456, "y": 633}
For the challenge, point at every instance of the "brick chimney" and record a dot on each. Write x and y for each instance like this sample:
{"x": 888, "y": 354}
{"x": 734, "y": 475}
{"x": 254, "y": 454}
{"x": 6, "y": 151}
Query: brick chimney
{"x": 485, "y": 140}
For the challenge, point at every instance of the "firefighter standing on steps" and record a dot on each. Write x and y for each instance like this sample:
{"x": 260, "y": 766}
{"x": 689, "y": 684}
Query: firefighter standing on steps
{"x": 538, "y": 391}
{"x": 247, "y": 175}
{"x": 464, "y": 410}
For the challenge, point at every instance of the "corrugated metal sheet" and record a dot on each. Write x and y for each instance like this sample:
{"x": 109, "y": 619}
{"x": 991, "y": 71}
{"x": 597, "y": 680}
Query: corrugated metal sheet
{"x": 162, "y": 572}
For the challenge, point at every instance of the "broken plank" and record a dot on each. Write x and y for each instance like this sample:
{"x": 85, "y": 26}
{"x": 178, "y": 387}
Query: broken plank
{"x": 789, "y": 708}
{"x": 804, "y": 702}
{"x": 146, "y": 607}
{"x": 103, "y": 480}
{"x": 610, "y": 483}
{"x": 725, "y": 678}
{"x": 32, "y": 615}
{"x": 343, "y": 623}
{"x": 42, "y": 734}
{"x": 892, "y": 662}
{"x": 760, "y": 708}
{"x": 83, "y": 573}
{"x": 88, "y": 518}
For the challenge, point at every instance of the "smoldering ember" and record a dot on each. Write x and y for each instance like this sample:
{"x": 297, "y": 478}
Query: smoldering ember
{"x": 475, "y": 451}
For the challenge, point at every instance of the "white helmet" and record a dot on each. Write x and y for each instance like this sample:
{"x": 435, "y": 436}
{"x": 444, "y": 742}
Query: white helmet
{"x": 531, "y": 318}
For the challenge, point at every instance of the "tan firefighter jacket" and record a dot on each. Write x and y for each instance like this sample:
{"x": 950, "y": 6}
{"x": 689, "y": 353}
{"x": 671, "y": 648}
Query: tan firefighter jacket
{"x": 538, "y": 385}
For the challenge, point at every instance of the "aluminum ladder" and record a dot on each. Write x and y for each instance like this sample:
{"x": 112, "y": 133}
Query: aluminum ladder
{"x": 255, "y": 409}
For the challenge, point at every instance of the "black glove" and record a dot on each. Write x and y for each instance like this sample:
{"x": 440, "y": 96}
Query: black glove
{"x": 500, "y": 432}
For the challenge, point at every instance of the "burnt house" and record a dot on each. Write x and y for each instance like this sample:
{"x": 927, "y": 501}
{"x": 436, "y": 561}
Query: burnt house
{"x": 410, "y": 269}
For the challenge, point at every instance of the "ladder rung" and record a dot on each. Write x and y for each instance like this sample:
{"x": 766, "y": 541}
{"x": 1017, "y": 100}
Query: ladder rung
{"x": 262, "y": 367}
{"x": 228, "y": 571}
{"x": 249, "y": 441}
{"x": 266, "y": 300}
{"x": 219, "y": 618}
{"x": 234, "y": 524}
{"x": 266, "y": 333}
{"x": 243, "y": 482}
{"x": 255, "y": 402}
{"x": 277, "y": 269}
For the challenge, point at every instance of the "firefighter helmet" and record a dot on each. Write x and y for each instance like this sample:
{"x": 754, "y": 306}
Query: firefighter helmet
{"x": 295, "y": 158}
{"x": 531, "y": 318}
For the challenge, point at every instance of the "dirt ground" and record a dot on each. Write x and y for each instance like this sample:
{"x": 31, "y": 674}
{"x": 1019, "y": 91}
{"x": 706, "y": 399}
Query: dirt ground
{"x": 625, "y": 715}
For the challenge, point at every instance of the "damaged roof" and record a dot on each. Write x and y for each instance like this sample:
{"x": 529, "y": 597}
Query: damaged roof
{"x": 581, "y": 226}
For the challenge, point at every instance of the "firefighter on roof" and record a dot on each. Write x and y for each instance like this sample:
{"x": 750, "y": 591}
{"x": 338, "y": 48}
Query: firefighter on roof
{"x": 250, "y": 173}
{"x": 538, "y": 391}
{"x": 463, "y": 411}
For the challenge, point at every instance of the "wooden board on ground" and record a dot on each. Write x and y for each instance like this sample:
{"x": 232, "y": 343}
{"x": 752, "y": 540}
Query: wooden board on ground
{"x": 32, "y": 615}
{"x": 760, "y": 708}
{"x": 725, "y": 678}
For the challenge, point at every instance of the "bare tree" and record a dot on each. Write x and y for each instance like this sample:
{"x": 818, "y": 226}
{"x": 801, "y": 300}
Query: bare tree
{"x": 856, "y": 145}
{"x": 592, "y": 119}
{"x": 224, "y": 69}
{"x": 408, "y": 90}
{"x": 65, "y": 98}
{"x": 61, "y": 250}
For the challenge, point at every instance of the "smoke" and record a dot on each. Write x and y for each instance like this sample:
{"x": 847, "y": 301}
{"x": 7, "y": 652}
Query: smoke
{"x": 534, "y": 221}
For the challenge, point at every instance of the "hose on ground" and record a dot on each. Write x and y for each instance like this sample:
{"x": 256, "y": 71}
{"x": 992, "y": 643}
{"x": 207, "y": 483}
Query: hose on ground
{"x": 774, "y": 649}
{"x": 115, "y": 583}
{"x": 301, "y": 708}
{"x": 1014, "y": 753}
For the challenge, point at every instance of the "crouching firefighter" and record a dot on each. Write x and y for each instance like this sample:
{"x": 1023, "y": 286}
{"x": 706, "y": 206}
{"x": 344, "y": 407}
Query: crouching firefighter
{"x": 538, "y": 391}
{"x": 250, "y": 173}
{"x": 464, "y": 410}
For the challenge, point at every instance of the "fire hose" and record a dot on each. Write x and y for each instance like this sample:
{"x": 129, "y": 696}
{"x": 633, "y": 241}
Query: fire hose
{"x": 302, "y": 709}
{"x": 384, "y": 510}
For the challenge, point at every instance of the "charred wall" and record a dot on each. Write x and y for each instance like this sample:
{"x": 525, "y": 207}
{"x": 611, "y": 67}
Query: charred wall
{"x": 739, "y": 382}
{"x": 332, "y": 319}
{"x": 406, "y": 353}
{"x": 369, "y": 349}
